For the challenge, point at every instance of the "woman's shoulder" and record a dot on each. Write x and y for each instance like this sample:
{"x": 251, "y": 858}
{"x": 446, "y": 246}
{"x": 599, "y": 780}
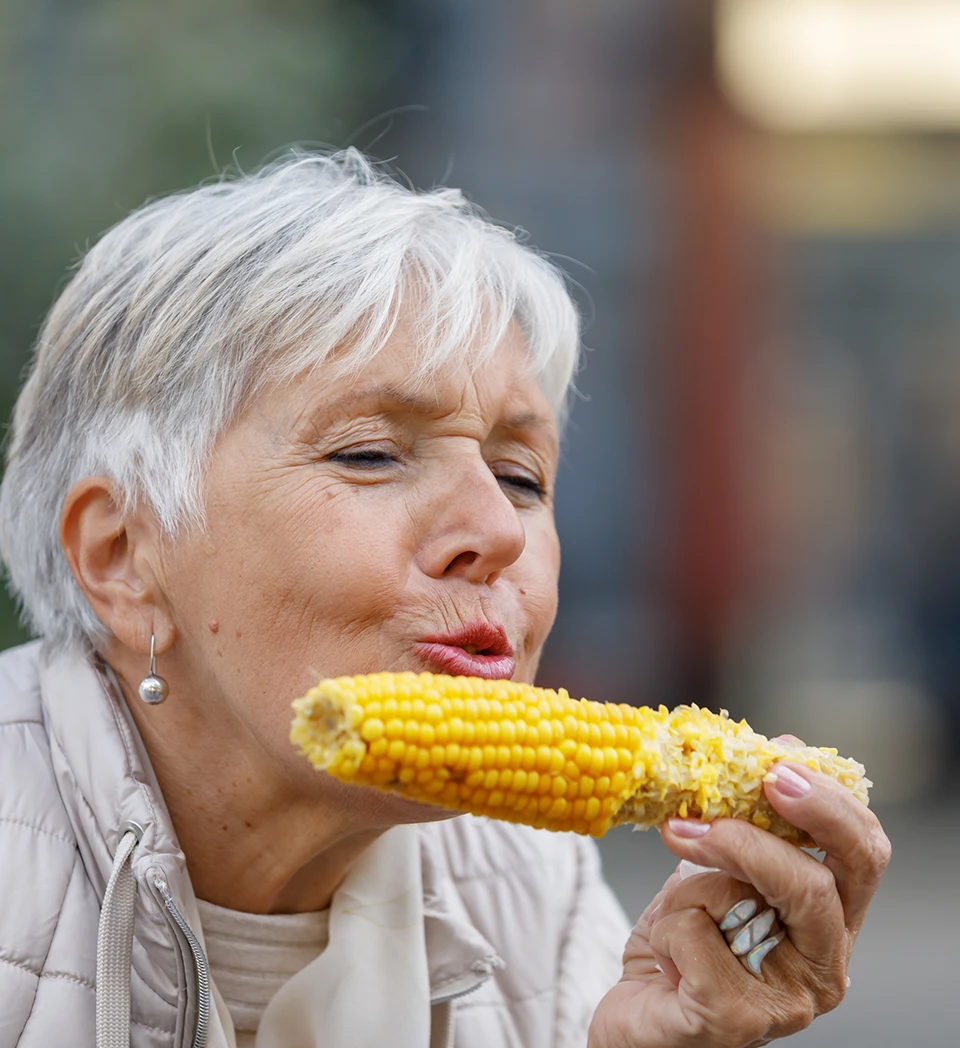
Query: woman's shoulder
{"x": 32, "y": 814}
{"x": 20, "y": 686}
{"x": 38, "y": 863}
{"x": 29, "y": 795}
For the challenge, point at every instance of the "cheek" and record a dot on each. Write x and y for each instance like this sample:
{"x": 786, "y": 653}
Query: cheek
{"x": 538, "y": 579}
{"x": 301, "y": 580}
{"x": 344, "y": 557}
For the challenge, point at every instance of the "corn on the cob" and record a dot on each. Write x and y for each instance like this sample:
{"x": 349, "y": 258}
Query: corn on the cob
{"x": 531, "y": 755}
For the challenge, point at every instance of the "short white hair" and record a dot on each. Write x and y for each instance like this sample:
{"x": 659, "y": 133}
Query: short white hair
{"x": 187, "y": 309}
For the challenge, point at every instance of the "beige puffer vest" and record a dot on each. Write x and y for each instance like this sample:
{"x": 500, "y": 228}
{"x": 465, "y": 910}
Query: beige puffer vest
{"x": 522, "y": 935}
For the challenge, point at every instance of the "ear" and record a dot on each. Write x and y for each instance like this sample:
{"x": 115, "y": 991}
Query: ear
{"x": 114, "y": 561}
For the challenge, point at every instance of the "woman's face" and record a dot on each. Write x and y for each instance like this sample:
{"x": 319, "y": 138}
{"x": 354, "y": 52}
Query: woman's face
{"x": 365, "y": 523}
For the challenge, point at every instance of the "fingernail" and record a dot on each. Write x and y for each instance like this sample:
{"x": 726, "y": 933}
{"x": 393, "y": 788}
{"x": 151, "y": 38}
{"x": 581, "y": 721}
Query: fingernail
{"x": 652, "y": 916}
{"x": 786, "y": 781}
{"x": 688, "y": 827}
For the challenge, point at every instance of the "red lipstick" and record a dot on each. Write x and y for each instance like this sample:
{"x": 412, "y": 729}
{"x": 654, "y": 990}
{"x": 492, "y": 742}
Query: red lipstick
{"x": 480, "y": 649}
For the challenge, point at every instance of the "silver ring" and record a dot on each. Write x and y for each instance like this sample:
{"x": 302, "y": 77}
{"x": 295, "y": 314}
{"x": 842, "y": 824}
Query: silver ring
{"x": 751, "y": 935}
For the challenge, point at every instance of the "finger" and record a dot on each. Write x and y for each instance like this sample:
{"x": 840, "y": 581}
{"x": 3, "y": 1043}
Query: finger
{"x": 857, "y": 849}
{"x": 649, "y": 914}
{"x": 691, "y": 942}
{"x": 666, "y": 967}
{"x": 716, "y": 895}
{"x": 639, "y": 958}
{"x": 730, "y": 1005}
{"x": 797, "y": 886}
{"x": 755, "y": 938}
{"x": 743, "y": 916}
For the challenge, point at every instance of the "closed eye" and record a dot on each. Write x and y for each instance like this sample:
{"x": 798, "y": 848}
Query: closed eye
{"x": 368, "y": 458}
{"x": 523, "y": 483}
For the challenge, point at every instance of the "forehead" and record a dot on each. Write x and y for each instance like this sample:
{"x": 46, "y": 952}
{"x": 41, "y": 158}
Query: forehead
{"x": 497, "y": 390}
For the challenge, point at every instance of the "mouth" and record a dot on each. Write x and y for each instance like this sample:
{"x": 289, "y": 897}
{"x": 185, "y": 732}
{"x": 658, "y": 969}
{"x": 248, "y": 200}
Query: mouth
{"x": 480, "y": 649}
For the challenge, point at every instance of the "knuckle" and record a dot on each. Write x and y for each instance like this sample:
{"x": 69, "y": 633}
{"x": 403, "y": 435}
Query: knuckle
{"x": 880, "y": 850}
{"x": 706, "y": 890}
{"x": 691, "y": 922}
{"x": 797, "y": 1013}
{"x": 833, "y": 989}
{"x": 804, "y": 1014}
{"x": 873, "y": 851}
{"x": 820, "y": 888}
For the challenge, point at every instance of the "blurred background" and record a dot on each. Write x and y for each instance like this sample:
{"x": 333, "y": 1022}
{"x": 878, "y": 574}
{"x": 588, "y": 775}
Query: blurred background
{"x": 759, "y": 204}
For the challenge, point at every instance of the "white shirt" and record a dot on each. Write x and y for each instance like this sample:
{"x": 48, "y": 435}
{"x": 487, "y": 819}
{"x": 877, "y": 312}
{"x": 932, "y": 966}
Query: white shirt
{"x": 252, "y": 955}
{"x": 371, "y": 975}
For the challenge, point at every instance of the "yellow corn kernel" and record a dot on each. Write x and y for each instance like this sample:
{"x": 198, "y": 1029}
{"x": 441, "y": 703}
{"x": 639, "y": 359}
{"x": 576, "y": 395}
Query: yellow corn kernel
{"x": 526, "y": 754}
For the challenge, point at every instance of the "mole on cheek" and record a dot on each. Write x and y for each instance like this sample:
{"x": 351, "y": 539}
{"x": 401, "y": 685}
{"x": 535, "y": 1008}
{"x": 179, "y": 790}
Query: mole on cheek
{"x": 214, "y": 626}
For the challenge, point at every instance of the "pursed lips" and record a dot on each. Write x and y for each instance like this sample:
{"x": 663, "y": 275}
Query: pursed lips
{"x": 479, "y": 649}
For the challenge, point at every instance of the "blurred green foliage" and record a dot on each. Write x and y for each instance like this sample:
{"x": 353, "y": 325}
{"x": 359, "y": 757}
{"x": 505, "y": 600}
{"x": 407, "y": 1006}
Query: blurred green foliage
{"x": 104, "y": 103}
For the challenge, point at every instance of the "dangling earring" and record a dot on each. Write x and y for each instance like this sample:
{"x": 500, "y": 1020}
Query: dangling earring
{"x": 153, "y": 689}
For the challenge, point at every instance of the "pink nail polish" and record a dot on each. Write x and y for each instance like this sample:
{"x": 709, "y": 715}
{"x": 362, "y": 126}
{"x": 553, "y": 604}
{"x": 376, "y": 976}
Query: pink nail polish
{"x": 790, "y": 783}
{"x": 689, "y": 827}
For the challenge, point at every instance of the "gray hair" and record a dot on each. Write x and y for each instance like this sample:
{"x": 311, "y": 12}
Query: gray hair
{"x": 188, "y": 308}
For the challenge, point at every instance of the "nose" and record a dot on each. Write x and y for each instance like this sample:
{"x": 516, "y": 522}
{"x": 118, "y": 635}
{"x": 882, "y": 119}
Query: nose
{"x": 475, "y": 531}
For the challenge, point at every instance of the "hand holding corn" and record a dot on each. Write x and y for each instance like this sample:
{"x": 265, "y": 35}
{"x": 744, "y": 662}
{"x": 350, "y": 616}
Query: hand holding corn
{"x": 531, "y": 755}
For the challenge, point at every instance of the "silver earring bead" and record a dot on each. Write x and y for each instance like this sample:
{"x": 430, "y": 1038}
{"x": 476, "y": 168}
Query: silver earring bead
{"x": 153, "y": 689}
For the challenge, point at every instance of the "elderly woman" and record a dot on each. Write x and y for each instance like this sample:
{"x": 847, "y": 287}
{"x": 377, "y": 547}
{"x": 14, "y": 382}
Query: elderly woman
{"x": 306, "y": 422}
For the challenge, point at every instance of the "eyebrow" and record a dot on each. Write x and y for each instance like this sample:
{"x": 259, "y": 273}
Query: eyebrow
{"x": 420, "y": 404}
{"x": 529, "y": 420}
{"x": 415, "y": 402}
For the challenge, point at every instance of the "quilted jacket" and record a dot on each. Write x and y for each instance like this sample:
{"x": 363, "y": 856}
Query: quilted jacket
{"x": 522, "y": 935}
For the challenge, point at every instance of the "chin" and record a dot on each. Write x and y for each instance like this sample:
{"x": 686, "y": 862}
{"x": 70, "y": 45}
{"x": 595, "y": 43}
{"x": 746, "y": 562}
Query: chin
{"x": 403, "y": 810}
{"x": 378, "y": 808}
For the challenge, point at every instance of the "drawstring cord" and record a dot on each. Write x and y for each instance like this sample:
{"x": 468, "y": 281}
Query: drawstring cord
{"x": 115, "y": 945}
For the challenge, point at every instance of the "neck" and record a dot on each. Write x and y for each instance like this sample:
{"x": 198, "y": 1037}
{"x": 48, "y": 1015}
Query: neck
{"x": 255, "y": 839}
